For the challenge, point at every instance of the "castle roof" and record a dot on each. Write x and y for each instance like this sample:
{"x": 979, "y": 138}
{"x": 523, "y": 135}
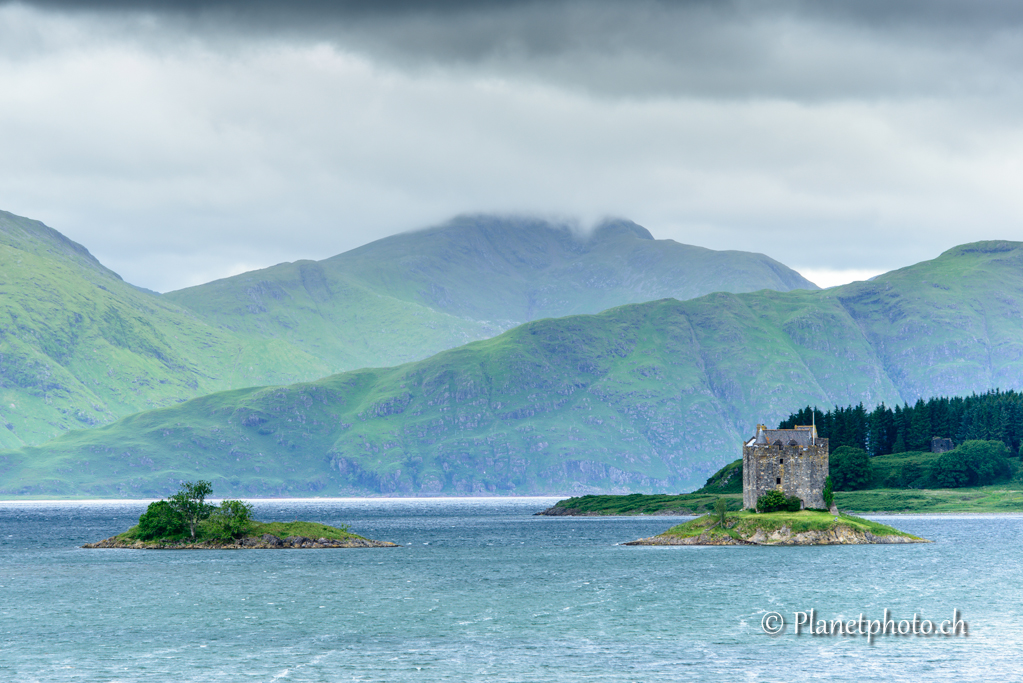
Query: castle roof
{"x": 802, "y": 435}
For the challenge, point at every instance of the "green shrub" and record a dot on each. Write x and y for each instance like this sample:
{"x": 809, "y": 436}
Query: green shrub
{"x": 973, "y": 463}
{"x": 829, "y": 492}
{"x": 228, "y": 521}
{"x": 161, "y": 520}
{"x": 912, "y": 476}
{"x": 776, "y": 501}
{"x": 849, "y": 469}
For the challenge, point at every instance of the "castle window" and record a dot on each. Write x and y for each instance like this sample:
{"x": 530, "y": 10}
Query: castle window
{"x": 781, "y": 461}
{"x": 777, "y": 480}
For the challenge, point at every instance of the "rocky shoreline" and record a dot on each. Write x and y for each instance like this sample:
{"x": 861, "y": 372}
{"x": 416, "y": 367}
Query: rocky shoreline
{"x": 840, "y": 535}
{"x": 264, "y": 542}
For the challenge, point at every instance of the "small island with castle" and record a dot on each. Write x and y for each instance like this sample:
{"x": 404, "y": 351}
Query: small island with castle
{"x": 786, "y": 500}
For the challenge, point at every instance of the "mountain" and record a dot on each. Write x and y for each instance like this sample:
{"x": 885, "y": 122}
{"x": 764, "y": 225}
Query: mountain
{"x": 643, "y": 397}
{"x": 80, "y": 347}
{"x": 409, "y": 296}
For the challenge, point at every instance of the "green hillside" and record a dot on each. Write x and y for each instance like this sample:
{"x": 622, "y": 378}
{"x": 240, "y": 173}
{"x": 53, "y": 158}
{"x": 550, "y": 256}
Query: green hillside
{"x": 586, "y": 398}
{"x": 80, "y": 347}
{"x": 412, "y": 295}
{"x": 646, "y": 397}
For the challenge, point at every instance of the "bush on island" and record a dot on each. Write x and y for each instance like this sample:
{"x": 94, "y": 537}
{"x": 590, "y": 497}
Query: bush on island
{"x": 228, "y": 521}
{"x": 161, "y": 520}
{"x": 776, "y": 501}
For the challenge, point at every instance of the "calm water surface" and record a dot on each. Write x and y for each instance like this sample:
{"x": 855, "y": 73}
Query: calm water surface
{"x": 483, "y": 590}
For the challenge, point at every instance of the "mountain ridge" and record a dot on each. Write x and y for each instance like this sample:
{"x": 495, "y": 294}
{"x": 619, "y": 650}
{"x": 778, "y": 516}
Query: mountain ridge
{"x": 81, "y": 347}
{"x": 469, "y": 278}
{"x": 641, "y": 397}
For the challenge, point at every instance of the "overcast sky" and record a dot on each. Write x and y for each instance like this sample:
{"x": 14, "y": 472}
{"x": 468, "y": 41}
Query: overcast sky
{"x": 187, "y": 141}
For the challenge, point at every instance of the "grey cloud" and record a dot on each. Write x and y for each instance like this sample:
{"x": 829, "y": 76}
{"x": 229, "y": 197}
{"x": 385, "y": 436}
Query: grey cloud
{"x": 793, "y": 49}
{"x": 186, "y": 141}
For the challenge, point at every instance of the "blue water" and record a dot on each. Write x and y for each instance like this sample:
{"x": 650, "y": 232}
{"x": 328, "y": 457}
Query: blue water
{"x": 483, "y": 590}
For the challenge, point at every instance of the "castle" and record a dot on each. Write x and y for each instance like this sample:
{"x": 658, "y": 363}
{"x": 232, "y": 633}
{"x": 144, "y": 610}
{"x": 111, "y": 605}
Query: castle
{"x": 793, "y": 461}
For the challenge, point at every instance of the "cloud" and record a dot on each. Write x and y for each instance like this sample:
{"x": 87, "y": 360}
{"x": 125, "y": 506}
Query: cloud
{"x": 181, "y": 139}
{"x": 791, "y": 49}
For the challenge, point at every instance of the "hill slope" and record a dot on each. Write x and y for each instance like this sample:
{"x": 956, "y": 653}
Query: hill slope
{"x": 81, "y": 347}
{"x": 409, "y": 296}
{"x": 648, "y": 397}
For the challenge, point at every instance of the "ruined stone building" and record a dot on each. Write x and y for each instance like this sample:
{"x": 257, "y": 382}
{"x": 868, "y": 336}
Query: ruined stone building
{"x": 793, "y": 461}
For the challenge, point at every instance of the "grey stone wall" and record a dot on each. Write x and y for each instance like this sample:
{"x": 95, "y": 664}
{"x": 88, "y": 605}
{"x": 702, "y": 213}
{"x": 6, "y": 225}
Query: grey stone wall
{"x": 793, "y": 470}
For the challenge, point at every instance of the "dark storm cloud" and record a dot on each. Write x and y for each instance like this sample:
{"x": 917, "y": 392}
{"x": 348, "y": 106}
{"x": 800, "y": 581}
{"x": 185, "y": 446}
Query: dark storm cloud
{"x": 802, "y": 50}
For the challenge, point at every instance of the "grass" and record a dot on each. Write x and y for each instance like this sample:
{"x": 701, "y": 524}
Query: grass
{"x": 313, "y": 530}
{"x": 741, "y": 525}
{"x": 995, "y": 498}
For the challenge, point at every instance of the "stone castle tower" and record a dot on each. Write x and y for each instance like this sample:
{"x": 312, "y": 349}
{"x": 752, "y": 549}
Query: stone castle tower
{"x": 793, "y": 461}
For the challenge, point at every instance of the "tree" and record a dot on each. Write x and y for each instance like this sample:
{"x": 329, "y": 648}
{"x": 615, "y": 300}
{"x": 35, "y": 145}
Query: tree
{"x": 974, "y": 463}
{"x": 919, "y": 428}
{"x": 912, "y": 476}
{"x": 849, "y": 469}
{"x": 829, "y": 492}
{"x": 721, "y": 507}
{"x": 190, "y": 502}
{"x": 161, "y": 520}
{"x": 228, "y": 521}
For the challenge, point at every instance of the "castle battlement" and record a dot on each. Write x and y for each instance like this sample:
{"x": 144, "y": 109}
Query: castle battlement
{"x": 793, "y": 461}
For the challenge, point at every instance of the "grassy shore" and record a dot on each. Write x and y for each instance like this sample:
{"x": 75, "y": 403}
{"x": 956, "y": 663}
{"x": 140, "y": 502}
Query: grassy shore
{"x": 997, "y": 498}
{"x": 642, "y": 504}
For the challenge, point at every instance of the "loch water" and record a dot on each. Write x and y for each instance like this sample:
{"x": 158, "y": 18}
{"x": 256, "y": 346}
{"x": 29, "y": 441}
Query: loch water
{"x": 482, "y": 589}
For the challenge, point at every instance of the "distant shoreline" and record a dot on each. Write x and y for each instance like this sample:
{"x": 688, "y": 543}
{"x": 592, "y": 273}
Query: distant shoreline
{"x": 29, "y": 499}
{"x": 999, "y": 499}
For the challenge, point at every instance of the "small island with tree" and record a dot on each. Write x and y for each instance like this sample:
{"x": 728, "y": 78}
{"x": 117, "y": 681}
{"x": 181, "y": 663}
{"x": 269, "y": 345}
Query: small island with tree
{"x": 186, "y": 520}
